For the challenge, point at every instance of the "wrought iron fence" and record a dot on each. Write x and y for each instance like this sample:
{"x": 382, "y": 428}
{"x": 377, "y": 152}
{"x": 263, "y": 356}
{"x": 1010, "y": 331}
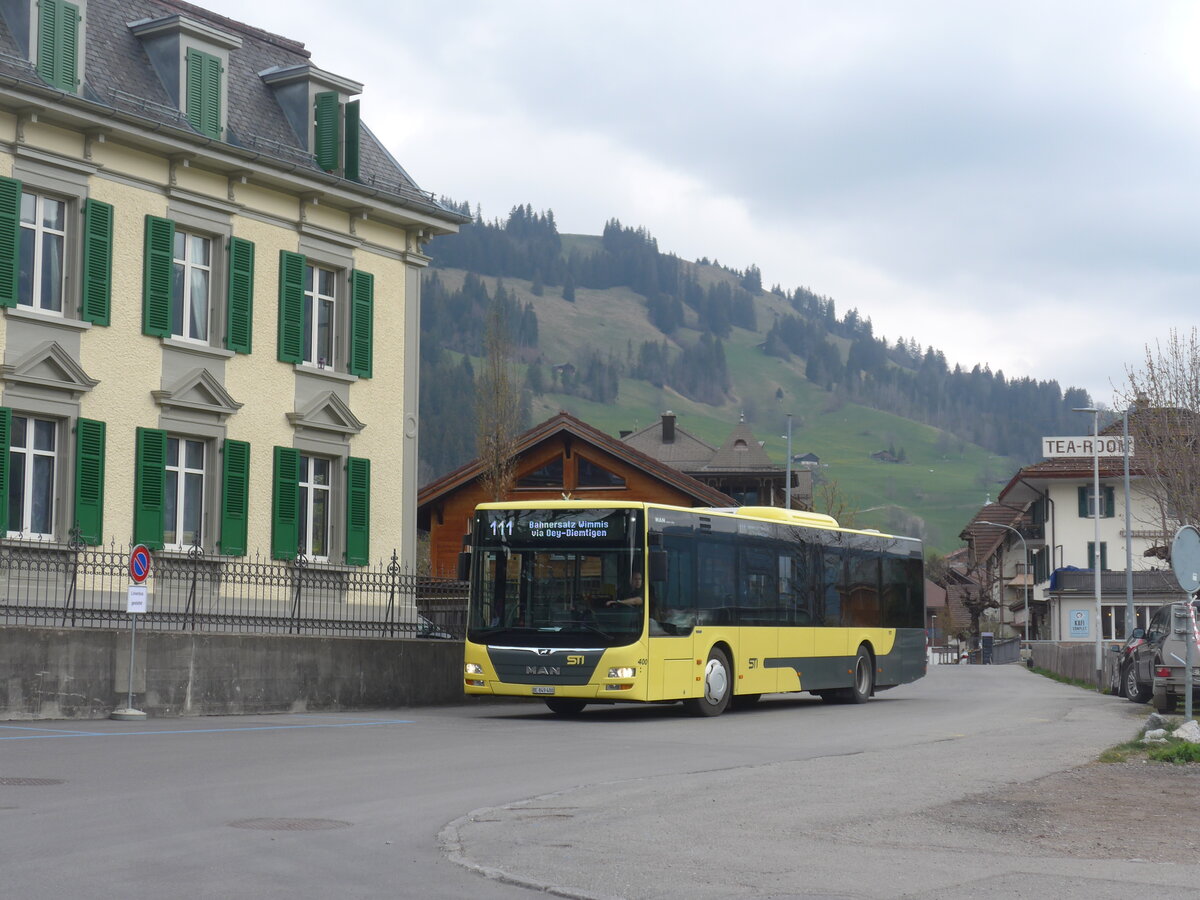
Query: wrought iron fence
{"x": 73, "y": 585}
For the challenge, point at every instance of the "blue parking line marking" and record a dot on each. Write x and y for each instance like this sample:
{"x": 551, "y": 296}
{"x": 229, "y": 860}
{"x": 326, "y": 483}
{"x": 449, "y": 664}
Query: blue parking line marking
{"x": 50, "y": 733}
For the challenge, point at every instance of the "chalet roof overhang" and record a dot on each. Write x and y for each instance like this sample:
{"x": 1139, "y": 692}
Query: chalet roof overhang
{"x": 575, "y": 429}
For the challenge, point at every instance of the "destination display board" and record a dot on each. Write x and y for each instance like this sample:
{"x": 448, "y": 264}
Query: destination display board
{"x": 543, "y": 527}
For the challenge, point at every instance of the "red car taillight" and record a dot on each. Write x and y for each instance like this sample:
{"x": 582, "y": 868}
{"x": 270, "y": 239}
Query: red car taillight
{"x": 1162, "y": 672}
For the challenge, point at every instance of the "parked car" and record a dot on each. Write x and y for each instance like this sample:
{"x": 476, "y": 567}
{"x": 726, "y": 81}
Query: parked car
{"x": 1124, "y": 653}
{"x": 1156, "y": 668}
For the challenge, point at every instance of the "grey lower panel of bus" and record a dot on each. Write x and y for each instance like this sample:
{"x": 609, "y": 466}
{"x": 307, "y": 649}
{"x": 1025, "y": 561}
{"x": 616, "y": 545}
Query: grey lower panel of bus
{"x": 522, "y": 665}
{"x": 905, "y": 663}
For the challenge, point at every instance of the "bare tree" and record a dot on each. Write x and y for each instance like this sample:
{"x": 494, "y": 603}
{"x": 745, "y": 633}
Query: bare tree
{"x": 1163, "y": 400}
{"x": 497, "y": 408}
{"x": 832, "y": 501}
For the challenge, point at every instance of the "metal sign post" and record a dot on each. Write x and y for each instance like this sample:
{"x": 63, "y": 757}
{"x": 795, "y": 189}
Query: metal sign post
{"x": 1185, "y": 561}
{"x": 139, "y": 569}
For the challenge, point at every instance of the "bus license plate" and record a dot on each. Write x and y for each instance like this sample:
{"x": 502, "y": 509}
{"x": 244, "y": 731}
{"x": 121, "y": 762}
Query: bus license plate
{"x": 543, "y": 690}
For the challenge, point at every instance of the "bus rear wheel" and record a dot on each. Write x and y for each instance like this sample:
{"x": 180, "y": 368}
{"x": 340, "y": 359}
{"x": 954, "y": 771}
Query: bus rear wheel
{"x": 566, "y": 707}
{"x": 863, "y": 685}
{"x": 718, "y": 685}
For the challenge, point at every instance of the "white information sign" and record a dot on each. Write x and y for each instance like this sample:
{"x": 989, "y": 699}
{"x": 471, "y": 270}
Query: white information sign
{"x": 135, "y": 602}
{"x": 1079, "y": 623}
{"x": 1087, "y": 445}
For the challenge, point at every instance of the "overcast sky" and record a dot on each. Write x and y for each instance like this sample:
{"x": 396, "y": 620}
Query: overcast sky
{"x": 1013, "y": 183}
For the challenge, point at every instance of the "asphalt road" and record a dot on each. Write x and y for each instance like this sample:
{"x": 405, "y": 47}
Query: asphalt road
{"x": 791, "y": 799}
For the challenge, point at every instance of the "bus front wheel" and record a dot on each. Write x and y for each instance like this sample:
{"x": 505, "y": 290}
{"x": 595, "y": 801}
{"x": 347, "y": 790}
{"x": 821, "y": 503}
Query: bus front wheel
{"x": 718, "y": 685}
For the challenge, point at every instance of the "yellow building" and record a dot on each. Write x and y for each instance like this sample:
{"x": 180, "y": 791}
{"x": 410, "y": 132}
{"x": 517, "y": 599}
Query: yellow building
{"x": 209, "y": 274}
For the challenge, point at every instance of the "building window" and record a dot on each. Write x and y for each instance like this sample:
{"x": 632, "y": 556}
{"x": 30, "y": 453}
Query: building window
{"x": 32, "y": 461}
{"x": 549, "y": 475}
{"x": 594, "y": 475}
{"x": 42, "y": 252}
{"x": 320, "y": 297}
{"x": 316, "y": 494}
{"x": 183, "y": 500}
{"x": 1087, "y": 502}
{"x": 191, "y": 277}
{"x": 1091, "y": 555}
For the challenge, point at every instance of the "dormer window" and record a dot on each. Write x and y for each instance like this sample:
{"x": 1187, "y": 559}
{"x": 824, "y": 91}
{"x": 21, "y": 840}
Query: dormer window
{"x": 325, "y": 119}
{"x": 191, "y": 58}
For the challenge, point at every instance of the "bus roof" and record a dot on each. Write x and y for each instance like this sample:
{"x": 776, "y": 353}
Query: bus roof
{"x": 797, "y": 517}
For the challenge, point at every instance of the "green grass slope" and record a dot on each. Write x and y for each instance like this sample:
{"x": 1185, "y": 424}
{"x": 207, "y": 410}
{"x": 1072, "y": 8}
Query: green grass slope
{"x": 932, "y": 494}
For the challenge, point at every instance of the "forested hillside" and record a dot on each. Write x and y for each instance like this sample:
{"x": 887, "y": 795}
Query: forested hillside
{"x": 688, "y": 317}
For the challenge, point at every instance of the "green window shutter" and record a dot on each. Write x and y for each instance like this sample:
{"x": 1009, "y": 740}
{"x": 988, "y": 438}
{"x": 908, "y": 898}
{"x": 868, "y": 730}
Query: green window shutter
{"x": 240, "y": 298}
{"x": 358, "y": 511}
{"x": 362, "y": 317}
{"x": 327, "y": 139}
{"x": 58, "y": 47}
{"x": 235, "y": 497}
{"x": 204, "y": 93}
{"x": 89, "y": 480}
{"x": 156, "y": 276}
{"x": 1103, "y": 555}
{"x": 285, "y": 504}
{"x": 10, "y": 240}
{"x": 353, "y": 130}
{"x": 149, "y": 489}
{"x": 5, "y": 438}
{"x": 1083, "y": 503}
{"x": 68, "y": 48}
{"x": 291, "y": 307}
{"x": 96, "y": 301}
{"x": 1109, "y": 505}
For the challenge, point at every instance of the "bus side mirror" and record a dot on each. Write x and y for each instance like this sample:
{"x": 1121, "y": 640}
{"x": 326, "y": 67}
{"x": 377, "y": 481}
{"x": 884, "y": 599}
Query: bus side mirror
{"x": 658, "y": 565}
{"x": 464, "y": 566}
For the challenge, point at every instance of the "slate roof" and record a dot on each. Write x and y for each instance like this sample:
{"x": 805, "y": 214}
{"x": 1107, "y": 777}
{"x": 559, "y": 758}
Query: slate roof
{"x": 687, "y": 452}
{"x": 741, "y": 452}
{"x": 118, "y": 76}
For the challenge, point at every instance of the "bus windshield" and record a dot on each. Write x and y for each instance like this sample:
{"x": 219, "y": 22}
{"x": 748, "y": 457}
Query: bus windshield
{"x": 554, "y": 578}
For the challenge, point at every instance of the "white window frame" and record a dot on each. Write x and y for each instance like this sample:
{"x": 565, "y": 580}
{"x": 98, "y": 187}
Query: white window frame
{"x": 186, "y": 303}
{"x": 37, "y": 299}
{"x": 31, "y": 453}
{"x": 314, "y": 299}
{"x": 310, "y": 490}
{"x": 181, "y": 470}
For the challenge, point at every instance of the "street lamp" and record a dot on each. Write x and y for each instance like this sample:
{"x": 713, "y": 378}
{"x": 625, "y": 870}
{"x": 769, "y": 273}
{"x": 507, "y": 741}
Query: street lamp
{"x": 1096, "y": 543}
{"x": 1025, "y": 549}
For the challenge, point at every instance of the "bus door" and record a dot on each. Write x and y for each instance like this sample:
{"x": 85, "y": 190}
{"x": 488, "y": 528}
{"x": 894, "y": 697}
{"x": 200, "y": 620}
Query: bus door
{"x": 759, "y": 615}
{"x": 797, "y": 633}
{"x": 672, "y": 620}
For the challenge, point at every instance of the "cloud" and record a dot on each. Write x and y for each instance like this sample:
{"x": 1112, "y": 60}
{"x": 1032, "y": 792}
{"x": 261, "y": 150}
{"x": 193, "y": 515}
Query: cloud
{"x": 1011, "y": 182}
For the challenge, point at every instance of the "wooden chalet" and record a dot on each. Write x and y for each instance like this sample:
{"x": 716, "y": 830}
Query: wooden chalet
{"x": 562, "y": 456}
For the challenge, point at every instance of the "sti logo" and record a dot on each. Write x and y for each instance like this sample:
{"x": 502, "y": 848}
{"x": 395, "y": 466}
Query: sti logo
{"x": 575, "y": 660}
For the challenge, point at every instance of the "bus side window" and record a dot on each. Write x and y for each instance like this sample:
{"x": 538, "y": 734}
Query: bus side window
{"x": 833, "y": 583}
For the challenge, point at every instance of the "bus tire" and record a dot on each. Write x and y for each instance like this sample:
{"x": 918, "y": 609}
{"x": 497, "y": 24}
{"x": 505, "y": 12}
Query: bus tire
{"x": 864, "y": 677}
{"x": 718, "y": 686}
{"x": 566, "y": 707}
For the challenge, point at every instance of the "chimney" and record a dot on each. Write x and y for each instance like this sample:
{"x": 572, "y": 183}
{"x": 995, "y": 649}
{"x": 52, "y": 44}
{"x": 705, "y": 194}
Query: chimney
{"x": 668, "y": 427}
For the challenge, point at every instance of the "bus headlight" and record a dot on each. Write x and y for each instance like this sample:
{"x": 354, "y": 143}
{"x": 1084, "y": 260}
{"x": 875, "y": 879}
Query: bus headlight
{"x": 474, "y": 669}
{"x": 622, "y": 672}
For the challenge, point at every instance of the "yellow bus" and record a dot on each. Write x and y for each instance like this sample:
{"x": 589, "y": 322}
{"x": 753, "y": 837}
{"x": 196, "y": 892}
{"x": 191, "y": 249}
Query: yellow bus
{"x": 574, "y": 603}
